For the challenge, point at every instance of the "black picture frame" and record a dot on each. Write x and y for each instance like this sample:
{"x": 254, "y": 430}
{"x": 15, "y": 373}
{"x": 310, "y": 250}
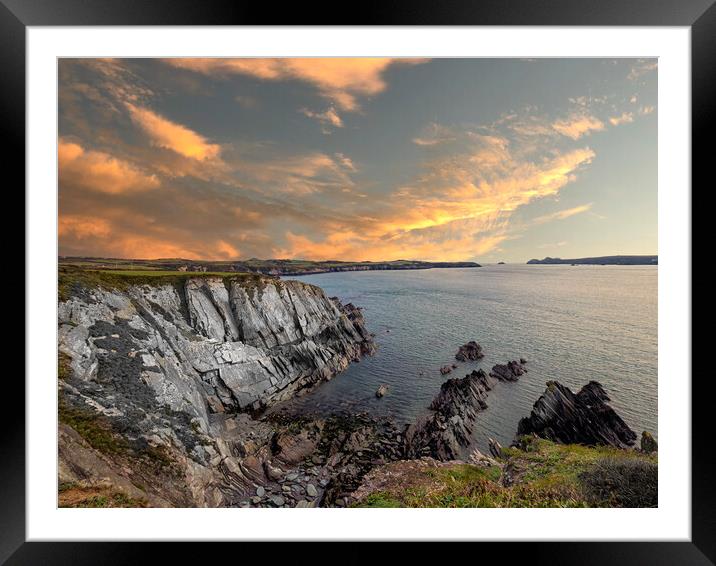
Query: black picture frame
{"x": 699, "y": 15}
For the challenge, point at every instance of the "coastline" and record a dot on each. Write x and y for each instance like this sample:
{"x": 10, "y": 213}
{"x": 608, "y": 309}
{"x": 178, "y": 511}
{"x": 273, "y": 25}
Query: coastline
{"x": 222, "y": 449}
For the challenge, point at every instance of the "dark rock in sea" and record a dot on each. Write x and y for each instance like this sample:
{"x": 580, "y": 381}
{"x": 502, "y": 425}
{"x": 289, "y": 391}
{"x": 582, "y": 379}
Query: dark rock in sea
{"x": 523, "y": 361}
{"x": 510, "y": 371}
{"x": 447, "y": 428}
{"x": 382, "y": 390}
{"x": 582, "y": 418}
{"x": 470, "y": 351}
{"x": 648, "y": 443}
{"x": 445, "y": 370}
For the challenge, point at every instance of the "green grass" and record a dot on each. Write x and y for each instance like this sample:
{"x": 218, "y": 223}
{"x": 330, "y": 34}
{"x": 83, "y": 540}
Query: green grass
{"x": 72, "y": 279}
{"x": 93, "y": 428}
{"x": 546, "y": 474}
{"x": 72, "y": 495}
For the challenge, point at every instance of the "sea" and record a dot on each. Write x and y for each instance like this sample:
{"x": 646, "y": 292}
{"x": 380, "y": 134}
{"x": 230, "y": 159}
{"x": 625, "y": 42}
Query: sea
{"x": 572, "y": 324}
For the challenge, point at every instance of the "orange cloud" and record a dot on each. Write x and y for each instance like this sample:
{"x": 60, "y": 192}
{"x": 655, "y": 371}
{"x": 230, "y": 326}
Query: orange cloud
{"x": 329, "y": 117}
{"x": 562, "y": 214}
{"x": 577, "y": 126}
{"x": 624, "y": 118}
{"x": 339, "y": 79}
{"x": 167, "y": 134}
{"x": 460, "y": 208}
{"x": 81, "y": 227}
{"x": 99, "y": 171}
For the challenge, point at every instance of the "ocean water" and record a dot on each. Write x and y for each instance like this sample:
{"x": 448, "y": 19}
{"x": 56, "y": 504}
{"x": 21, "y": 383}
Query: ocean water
{"x": 572, "y": 324}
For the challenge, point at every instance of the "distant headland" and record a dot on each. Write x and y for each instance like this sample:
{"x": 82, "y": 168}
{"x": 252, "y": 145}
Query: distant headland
{"x": 603, "y": 260}
{"x": 253, "y": 265}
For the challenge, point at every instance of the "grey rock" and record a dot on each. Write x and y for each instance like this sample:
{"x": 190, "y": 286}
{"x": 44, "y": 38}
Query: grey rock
{"x": 446, "y": 429}
{"x": 582, "y": 418}
{"x": 469, "y": 352}
{"x": 177, "y": 364}
{"x": 311, "y": 490}
{"x": 495, "y": 448}
{"x": 277, "y": 500}
{"x": 260, "y": 491}
{"x": 510, "y": 371}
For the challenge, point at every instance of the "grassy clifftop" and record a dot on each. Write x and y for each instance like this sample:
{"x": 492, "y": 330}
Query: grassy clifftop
{"x": 71, "y": 279}
{"x": 543, "y": 474}
{"x": 266, "y": 266}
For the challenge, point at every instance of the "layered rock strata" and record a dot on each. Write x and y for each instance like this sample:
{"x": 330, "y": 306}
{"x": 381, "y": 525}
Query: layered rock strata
{"x": 172, "y": 368}
{"x": 582, "y": 418}
{"x": 446, "y": 429}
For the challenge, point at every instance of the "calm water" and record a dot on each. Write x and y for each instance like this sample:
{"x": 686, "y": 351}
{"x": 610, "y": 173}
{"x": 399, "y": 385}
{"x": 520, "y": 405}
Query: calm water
{"x": 572, "y": 324}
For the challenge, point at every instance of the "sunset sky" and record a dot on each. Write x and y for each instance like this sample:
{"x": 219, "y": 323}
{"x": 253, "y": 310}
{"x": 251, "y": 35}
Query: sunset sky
{"x": 357, "y": 159}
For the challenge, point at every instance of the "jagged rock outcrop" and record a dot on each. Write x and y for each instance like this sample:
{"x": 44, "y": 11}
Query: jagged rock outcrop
{"x": 446, "y": 429}
{"x": 582, "y": 418}
{"x": 471, "y": 351}
{"x": 510, "y": 371}
{"x": 173, "y": 366}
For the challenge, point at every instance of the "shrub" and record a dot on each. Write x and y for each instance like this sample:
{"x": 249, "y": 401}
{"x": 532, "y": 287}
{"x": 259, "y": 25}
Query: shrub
{"x": 622, "y": 482}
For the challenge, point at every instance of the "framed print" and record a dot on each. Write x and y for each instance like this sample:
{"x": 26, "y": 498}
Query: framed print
{"x": 422, "y": 281}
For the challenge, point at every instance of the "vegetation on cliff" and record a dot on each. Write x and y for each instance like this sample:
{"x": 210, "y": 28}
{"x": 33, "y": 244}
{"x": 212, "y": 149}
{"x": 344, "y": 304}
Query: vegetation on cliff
{"x": 539, "y": 473}
{"x": 73, "y": 279}
{"x": 253, "y": 265}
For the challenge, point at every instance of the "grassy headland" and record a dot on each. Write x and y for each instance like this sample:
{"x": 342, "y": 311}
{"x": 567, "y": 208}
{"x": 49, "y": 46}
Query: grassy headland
{"x": 543, "y": 474}
{"x": 263, "y": 266}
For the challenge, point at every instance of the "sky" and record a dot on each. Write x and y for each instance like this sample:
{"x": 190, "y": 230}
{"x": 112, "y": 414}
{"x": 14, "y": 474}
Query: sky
{"x": 357, "y": 158}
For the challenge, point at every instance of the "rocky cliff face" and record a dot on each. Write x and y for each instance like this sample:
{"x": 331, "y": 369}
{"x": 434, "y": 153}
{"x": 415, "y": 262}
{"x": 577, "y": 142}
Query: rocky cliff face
{"x": 171, "y": 365}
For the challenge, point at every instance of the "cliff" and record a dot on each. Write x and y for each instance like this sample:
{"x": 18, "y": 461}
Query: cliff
{"x": 165, "y": 367}
{"x": 603, "y": 260}
{"x": 253, "y": 265}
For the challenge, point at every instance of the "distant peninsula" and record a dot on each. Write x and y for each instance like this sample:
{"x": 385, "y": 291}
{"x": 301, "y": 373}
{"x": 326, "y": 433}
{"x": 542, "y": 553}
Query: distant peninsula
{"x": 603, "y": 260}
{"x": 253, "y": 265}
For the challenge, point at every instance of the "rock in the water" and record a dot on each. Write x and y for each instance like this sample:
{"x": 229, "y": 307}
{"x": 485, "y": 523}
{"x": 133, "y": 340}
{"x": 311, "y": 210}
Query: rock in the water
{"x": 510, "y": 371}
{"x": 648, "y": 443}
{"x": 446, "y": 429}
{"x": 469, "y": 352}
{"x": 382, "y": 390}
{"x": 583, "y": 418}
{"x": 445, "y": 370}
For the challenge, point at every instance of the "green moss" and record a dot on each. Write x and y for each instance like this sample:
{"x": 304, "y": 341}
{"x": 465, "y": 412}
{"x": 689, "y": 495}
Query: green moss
{"x": 93, "y": 428}
{"x": 380, "y": 499}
